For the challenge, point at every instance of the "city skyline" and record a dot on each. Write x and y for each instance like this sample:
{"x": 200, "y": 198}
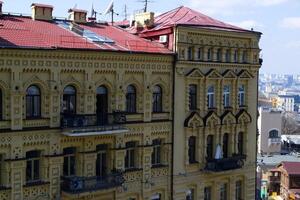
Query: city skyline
{"x": 278, "y": 20}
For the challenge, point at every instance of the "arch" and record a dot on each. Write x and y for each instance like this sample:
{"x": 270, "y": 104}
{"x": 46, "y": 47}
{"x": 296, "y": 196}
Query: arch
{"x": 74, "y": 82}
{"x": 193, "y": 121}
{"x": 33, "y": 101}
{"x": 106, "y": 83}
{"x": 274, "y": 133}
{"x": 228, "y": 118}
{"x": 35, "y": 80}
{"x": 157, "y": 99}
{"x": 102, "y": 89}
{"x": 69, "y": 99}
{"x": 162, "y": 84}
{"x": 133, "y": 81}
{"x": 131, "y": 99}
{"x": 243, "y": 117}
{"x": 212, "y": 119}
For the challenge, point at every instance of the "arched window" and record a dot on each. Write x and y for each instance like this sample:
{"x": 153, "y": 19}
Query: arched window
{"x": 211, "y": 97}
{"x": 157, "y": 99}
{"x": 235, "y": 55}
{"x": 193, "y": 97}
{"x": 190, "y": 53}
{"x": 241, "y": 95}
{"x": 33, "y": 102}
{"x": 225, "y": 145}
{"x": 273, "y": 134}
{"x": 244, "y": 56}
{"x": 219, "y": 55}
{"x": 209, "y": 54}
{"x": 131, "y": 99}
{"x": 199, "y": 53}
{"x": 209, "y": 147}
{"x": 1, "y": 105}
{"x": 226, "y": 96}
{"x": 102, "y": 105}
{"x": 240, "y": 143}
{"x": 227, "y": 55}
{"x": 192, "y": 149}
{"x": 69, "y": 100}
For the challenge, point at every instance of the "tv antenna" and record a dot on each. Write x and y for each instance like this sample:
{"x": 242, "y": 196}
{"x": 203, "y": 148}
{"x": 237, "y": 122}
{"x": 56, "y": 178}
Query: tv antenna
{"x": 110, "y": 9}
{"x": 146, "y": 2}
{"x": 125, "y": 12}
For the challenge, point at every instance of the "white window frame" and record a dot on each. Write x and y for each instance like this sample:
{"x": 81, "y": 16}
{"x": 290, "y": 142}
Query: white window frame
{"x": 226, "y": 96}
{"x": 242, "y": 95}
{"x": 211, "y": 97}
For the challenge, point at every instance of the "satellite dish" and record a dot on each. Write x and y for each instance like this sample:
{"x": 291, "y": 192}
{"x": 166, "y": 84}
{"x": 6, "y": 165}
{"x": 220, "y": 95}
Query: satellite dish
{"x": 109, "y": 7}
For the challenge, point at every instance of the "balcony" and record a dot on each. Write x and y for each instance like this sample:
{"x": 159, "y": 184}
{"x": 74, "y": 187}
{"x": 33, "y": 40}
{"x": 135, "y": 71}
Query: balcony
{"x": 76, "y": 184}
{"x": 218, "y": 165}
{"x": 274, "y": 141}
{"x": 92, "y": 124}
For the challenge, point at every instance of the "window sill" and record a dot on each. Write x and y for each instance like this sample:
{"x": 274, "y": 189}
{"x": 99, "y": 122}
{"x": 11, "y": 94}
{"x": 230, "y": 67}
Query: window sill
{"x": 36, "y": 183}
{"x": 4, "y": 188}
{"x": 158, "y": 166}
{"x": 133, "y": 170}
{"x": 193, "y": 162}
{"x": 36, "y": 118}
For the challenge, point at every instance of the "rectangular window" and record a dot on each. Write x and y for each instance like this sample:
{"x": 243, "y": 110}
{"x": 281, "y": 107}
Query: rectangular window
{"x": 156, "y": 153}
{"x": 238, "y": 190}
{"x": 207, "y": 193}
{"x": 199, "y": 54}
{"x": 227, "y": 56}
{"x": 219, "y": 55}
{"x": 192, "y": 149}
{"x": 69, "y": 161}
{"x": 193, "y": 97}
{"x": 190, "y": 53}
{"x": 235, "y": 56}
{"x": 241, "y": 95}
{"x": 244, "y": 56}
{"x": 101, "y": 161}
{"x": 190, "y": 194}
{"x": 210, "y": 97}
{"x": 226, "y": 96}
{"x": 223, "y": 192}
{"x": 209, "y": 54}
{"x": 130, "y": 155}
{"x": 32, "y": 166}
{"x": 209, "y": 146}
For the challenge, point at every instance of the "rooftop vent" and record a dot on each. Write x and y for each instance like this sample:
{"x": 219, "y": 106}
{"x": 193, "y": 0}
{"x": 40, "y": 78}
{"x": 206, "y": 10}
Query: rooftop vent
{"x": 41, "y": 11}
{"x": 77, "y": 15}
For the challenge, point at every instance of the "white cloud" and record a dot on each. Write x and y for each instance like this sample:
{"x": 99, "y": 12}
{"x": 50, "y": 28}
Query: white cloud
{"x": 226, "y": 7}
{"x": 290, "y": 22}
{"x": 248, "y": 24}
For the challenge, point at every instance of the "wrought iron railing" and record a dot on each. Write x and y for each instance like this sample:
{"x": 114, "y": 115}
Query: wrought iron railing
{"x": 223, "y": 164}
{"x": 76, "y": 184}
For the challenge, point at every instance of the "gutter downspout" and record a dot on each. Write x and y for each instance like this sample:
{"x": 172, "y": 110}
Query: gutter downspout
{"x": 256, "y": 135}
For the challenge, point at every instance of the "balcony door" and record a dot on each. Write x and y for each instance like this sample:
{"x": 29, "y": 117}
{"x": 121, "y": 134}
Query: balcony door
{"x": 101, "y": 162}
{"x": 102, "y": 105}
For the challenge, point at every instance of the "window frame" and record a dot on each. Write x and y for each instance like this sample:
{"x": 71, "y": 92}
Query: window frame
{"x": 33, "y": 158}
{"x": 209, "y": 54}
{"x": 33, "y": 103}
{"x": 130, "y": 162}
{"x": 192, "y": 147}
{"x": 156, "y": 152}
{"x": 69, "y": 154}
{"x": 209, "y": 147}
{"x": 131, "y": 99}
{"x": 211, "y": 97}
{"x": 193, "y": 97}
{"x": 238, "y": 190}
{"x": 226, "y": 96}
{"x": 157, "y": 98}
{"x": 225, "y": 145}
{"x": 242, "y": 95}
{"x": 69, "y": 99}
{"x": 240, "y": 143}
{"x": 223, "y": 191}
{"x": 207, "y": 193}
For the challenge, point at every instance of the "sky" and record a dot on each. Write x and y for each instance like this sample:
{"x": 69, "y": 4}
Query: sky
{"x": 278, "y": 20}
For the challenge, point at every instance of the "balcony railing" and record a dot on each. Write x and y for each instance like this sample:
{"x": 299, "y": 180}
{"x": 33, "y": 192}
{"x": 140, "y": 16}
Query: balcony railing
{"x": 92, "y": 124}
{"x": 76, "y": 184}
{"x": 223, "y": 164}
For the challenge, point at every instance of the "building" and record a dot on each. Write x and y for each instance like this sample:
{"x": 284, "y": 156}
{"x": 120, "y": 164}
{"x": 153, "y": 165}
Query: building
{"x": 286, "y": 103}
{"x": 215, "y": 109}
{"x": 86, "y": 110}
{"x": 269, "y": 127}
{"x": 290, "y": 180}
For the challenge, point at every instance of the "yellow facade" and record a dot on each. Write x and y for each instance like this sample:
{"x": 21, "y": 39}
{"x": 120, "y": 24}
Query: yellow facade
{"x": 215, "y": 58}
{"x": 52, "y": 71}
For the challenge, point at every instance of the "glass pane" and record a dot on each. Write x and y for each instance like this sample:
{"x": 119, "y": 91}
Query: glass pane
{"x": 70, "y": 90}
{"x": 33, "y": 90}
{"x": 36, "y": 169}
{"x": 28, "y": 170}
{"x": 102, "y": 90}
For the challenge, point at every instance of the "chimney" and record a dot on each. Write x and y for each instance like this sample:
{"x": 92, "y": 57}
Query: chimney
{"x": 77, "y": 15}
{"x": 1, "y": 3}
{"x": 41, "y": 12}
{"x": 144, "y": 19}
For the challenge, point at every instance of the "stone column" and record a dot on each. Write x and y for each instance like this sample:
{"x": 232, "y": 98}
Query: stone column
{"x": 55, "y": 171}
{"x": 89, "y": 168}
{"x": 18, "y": 169}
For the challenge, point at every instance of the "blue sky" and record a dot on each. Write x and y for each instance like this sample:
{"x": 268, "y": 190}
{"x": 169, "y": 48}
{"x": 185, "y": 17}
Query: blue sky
{"x": 278, "y": 20}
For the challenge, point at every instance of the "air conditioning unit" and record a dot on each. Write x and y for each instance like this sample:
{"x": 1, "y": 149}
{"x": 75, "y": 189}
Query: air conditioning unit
{"x": 163, "y": 39}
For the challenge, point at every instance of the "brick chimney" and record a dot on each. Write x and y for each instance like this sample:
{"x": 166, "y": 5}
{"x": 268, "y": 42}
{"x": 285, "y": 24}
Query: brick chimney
{"x": 77, "y": 15}
{"x": 144, "y": 19}
{"x": 41, "y": 11}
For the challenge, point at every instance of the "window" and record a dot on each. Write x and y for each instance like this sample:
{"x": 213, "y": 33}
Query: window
{"x": 32, "y": 166}
{"x": 227, "y": 55}
{"x": 211, "y": 97}
{"x": 199, "y": 53}
{"x": 69, "y": 161}
{"x": 240, "y": 144}
{"x": 131, "y": 99}
{"x": 238, "y": 190}
{"x": 225, "y": 145}
{"x": 235, "y": 55}
{"x": 69, "y": 100}
{"x": 273, "y": 134}
{"x": 193, "y": 97}
{"x": 1, "y": 105}
{"x": 101, "y": 161}
{"x": 241, "y": 95}
{"x": 207, "y": 193}
{"x": 156, "y": 197}
{"x": 219, "y": 55}
{"x": 190, "y": 194}
{"x": 244, "y": 56}
{"x": 226, "y": 96}
{"x": 190, "y": 53}
{"x": 156, "y": 153}
{"x": 130, "y": 155}
{"x": 209, "y": 54}
{"x": 209, "y": 146}
{"x": 102, "y": 105}
{"x": 33, "y": 102}
{"x": 157, "y": 99}
{"x": 223, "y": 192}
{"x": 192, "y": 149}
{"x": 182, "y": 53}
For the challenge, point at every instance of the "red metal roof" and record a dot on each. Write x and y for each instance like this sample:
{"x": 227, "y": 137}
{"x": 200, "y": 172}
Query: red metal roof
{"x": 16, "y": 31}
{"x": 291, "y": 167}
